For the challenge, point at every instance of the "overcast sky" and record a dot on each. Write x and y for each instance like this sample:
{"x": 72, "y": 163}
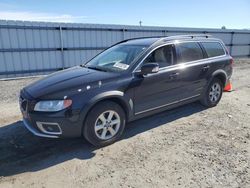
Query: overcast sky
{"x": 234, "y": 14}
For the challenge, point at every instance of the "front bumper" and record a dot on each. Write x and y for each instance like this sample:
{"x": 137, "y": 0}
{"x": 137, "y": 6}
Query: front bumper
{"x": 53, "y": 126}
{"x": 64, "y": 123}
{"x": 36, "y": 132}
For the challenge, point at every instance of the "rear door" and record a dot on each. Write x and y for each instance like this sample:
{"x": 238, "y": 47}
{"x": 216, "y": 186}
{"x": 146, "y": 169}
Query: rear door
{"x": 192, "y": 68}
{"x": 214, "y": 51}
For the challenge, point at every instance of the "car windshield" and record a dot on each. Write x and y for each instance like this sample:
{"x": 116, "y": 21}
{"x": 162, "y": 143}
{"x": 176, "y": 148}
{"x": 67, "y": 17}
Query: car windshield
{"x": 117, "y": 58}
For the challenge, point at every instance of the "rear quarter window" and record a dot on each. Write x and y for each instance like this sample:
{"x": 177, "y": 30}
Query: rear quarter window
{"x": 188, "y": 51}
{"x": 213, "y": 49}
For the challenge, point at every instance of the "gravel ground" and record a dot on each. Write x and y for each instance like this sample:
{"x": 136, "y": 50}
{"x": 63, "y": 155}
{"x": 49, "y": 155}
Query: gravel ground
{"x": 190, "y": 146}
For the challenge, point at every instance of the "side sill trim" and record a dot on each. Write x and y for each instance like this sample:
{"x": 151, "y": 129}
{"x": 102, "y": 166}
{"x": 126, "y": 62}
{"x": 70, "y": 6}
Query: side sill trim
{"x": 168, "y": 104}
{"x": 26, "y": 124}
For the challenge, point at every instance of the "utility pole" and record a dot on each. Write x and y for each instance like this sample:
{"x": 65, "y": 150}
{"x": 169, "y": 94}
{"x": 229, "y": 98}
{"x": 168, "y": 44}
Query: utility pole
{"x": 140, "y": 22}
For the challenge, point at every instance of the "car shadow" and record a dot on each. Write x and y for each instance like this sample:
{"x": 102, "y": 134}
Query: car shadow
{"x": 21, "y": 152}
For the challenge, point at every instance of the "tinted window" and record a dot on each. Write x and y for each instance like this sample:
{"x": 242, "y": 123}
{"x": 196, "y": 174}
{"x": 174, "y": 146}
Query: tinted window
{"x": 189, "y": 51}
{"x": 164, "y": 56}
{"x": 213, "y": 49}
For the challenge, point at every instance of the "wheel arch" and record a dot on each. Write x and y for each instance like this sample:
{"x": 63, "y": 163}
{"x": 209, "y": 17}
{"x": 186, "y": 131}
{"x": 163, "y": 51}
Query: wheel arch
{"x": 221, "y": 75}
{"x": 115, "y": 96}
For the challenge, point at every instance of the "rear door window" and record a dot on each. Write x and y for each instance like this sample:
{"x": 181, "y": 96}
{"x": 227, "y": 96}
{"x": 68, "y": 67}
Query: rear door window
{"x": 188, "y": 51}
{"x": 213, "y": 49}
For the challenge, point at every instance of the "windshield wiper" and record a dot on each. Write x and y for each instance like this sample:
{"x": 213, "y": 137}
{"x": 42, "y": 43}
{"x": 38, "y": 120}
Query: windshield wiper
{"x": 95, "y": 68}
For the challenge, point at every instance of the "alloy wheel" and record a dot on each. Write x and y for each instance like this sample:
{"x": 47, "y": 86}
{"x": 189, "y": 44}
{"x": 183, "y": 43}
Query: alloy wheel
{"x": 215, "y": 92}
{"x": 107, "y": 125}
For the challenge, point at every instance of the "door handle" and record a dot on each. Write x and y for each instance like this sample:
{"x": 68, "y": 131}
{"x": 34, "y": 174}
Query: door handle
{"x": 174, "y": 75}
{"x": 206, "y": 67}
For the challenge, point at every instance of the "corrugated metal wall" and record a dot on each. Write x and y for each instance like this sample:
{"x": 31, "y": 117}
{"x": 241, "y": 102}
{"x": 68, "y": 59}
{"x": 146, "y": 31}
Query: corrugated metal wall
{"x": 31, "y": 48}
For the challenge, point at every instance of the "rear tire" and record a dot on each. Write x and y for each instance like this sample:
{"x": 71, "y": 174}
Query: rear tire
{"x": 213, "y": 93}
{"x": 104, "y": 124}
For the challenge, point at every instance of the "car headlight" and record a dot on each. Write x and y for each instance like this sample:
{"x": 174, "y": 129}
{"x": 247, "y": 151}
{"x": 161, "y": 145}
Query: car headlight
{"x": 52, "y": 105}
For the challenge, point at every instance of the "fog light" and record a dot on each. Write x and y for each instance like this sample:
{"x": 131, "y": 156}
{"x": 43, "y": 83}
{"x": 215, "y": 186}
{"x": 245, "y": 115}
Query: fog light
{"x": 49, "y": 127}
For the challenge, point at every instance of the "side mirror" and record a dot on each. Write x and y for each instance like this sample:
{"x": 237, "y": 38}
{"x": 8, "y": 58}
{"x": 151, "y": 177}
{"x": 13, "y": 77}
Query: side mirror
{"x": 149, "y": 68}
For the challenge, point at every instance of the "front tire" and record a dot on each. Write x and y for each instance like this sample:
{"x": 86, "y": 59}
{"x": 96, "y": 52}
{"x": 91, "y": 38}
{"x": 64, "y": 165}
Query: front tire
{"x": 213, "y": 93}
{"x": 104, "y": 124}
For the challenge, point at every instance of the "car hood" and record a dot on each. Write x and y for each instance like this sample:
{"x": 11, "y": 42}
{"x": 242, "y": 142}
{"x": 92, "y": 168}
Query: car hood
{"x": 67, "y": 79}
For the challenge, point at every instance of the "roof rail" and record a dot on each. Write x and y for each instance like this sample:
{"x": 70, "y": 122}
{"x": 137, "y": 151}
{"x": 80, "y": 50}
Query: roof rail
{"x": 161, "y": 38}
{"x": 125, "y": 40}
{"x": 189, "y": 36}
